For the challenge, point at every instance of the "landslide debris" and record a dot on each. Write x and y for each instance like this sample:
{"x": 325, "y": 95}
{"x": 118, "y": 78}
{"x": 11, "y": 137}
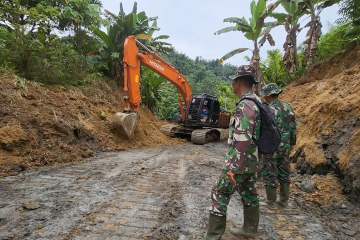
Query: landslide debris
{"x": 326, "y": 102}
{"x": 43, "y": 125}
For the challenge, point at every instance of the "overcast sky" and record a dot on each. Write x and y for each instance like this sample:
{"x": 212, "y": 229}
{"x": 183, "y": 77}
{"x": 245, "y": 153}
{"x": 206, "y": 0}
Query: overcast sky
{"x": 191, "y": 25}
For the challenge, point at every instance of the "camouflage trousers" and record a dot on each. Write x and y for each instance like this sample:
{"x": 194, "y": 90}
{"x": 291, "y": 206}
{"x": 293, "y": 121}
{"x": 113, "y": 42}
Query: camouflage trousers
{"x": 223, "y": 190}
{"x": 275, "y": 171}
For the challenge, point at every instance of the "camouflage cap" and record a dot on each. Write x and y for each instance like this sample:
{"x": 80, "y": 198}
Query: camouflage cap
{"x": 244, "y": 70}
{"x": 270, "y": 89}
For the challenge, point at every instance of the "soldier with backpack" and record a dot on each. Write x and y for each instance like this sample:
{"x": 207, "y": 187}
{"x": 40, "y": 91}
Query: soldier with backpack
{"x": 242, "y": 159}
{"x": 277, "y": 168}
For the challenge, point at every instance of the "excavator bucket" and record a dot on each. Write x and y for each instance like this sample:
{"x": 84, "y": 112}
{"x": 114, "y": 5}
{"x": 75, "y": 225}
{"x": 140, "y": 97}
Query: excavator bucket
{"x": 125, "y": 123}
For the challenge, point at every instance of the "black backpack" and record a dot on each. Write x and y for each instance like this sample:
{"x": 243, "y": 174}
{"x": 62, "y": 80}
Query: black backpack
{"x": 270, "y": 136}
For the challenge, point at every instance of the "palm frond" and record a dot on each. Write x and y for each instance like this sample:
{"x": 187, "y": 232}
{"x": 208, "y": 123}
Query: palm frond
{"x": 161, "y": 37}
{"x": 152, "y": 29}
{"x": 153, "y": 18}
{"x": 269, "y": 26}
{"x": 262, "y": 41}
{"x": 134, "y": 11}
{"x": 121, "y": 13}
{"x": 232, "y": 53}
{"x": 227, "y": 29}
{"x": 143, "y": 36}
{"x": 241, "y": 21}
{"x": 280, "y": 17}
{"x": 270, "y": 39}
{"x": 104, "y": 37}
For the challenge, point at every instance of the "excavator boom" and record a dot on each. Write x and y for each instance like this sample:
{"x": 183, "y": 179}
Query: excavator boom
{"x": 132, "y": 61}
{"x": 201, "y": 127}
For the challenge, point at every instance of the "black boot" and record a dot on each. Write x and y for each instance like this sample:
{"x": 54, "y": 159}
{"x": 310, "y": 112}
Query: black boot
{"x": 271, "y": 197}
{"x": 251, "y": 222}
{"x": 284, "y": 195}
{"x": 216, "y": 228}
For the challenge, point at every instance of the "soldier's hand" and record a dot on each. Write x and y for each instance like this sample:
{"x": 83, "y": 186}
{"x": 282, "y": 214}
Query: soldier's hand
{"x": 231, "y": 175}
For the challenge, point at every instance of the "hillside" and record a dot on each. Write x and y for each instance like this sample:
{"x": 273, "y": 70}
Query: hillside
{"x": 326, "y": 101}
{"x": 43, "y": 125}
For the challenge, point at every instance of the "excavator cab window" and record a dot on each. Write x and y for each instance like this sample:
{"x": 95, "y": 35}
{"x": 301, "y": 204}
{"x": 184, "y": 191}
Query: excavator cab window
{"x": 204, "y": 110}
{"x": 216, "y": 112}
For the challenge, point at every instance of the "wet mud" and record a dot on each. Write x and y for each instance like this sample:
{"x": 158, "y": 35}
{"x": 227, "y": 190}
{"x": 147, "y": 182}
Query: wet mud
{"x": 160, "y": 193}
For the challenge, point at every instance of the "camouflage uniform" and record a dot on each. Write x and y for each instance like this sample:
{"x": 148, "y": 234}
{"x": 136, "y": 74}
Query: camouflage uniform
{"x": 241, "y": 159}
{"x": 277, "y": 169}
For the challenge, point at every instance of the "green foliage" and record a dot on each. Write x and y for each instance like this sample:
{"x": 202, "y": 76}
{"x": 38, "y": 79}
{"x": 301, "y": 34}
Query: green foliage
{"x": 29, "y": 15}
{"x": 55, "y": 63}
{"x": 119, "y": 27}
{"x": 338, "y": 39}
{"x": 78, "y": 16}
{"x": 168, "y": 106}
{"x": 273, "y": 68}
{"x": 227, "y": 98}
{"x": 252, "y": 29}
{"x": 350, "y": 11}
{"x": 151, "y": 89}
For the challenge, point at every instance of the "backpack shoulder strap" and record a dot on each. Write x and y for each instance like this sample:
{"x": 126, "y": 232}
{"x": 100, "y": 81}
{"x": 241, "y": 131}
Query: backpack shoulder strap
{"x": 258, "y": 104}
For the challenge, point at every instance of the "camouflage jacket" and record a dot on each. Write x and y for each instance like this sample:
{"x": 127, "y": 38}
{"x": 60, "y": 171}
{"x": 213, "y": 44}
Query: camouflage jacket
{"x": 285, "y": 121}
{"x": 242, "y": 156}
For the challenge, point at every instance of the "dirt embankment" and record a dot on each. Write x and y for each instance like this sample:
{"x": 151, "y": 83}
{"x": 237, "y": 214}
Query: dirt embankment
{"x": 43, "y": 125}
{"x": 326, "y": 101}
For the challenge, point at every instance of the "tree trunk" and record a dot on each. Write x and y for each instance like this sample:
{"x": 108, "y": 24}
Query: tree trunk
{"x": 117, "y": 72}
{"x": 255, "y": 62}
{"x": 313, "y": 35}
{"x": 290, "y": 57}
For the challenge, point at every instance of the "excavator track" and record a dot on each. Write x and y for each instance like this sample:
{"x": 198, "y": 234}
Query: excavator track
{"x": 205, "y": 135}
{"x": 169, "y": 129}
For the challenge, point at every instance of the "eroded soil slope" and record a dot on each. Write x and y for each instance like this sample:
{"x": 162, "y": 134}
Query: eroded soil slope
{"x": 43, "y": 125}
{"x": 326, "y": 101}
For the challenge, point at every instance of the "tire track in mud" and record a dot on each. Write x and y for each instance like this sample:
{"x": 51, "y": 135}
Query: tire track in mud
{"x": 161, "y": 193}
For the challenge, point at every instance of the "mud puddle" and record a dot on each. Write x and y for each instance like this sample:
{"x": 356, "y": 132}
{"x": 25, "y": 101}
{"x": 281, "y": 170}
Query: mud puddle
{"x": 160, "y": 193}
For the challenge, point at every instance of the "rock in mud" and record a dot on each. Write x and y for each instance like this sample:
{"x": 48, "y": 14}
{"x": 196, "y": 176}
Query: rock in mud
{"x": 31, "y": 206}
{"x": 350, "y": 233}
{"x": 307, "y": 186}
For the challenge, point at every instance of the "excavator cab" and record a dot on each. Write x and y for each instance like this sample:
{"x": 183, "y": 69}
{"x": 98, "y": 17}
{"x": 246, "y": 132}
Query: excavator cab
{"x": 204, "y": 111}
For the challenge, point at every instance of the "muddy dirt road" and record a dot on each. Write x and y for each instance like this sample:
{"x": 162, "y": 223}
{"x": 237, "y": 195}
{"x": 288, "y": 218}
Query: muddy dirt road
{"x": 160, "y": 193}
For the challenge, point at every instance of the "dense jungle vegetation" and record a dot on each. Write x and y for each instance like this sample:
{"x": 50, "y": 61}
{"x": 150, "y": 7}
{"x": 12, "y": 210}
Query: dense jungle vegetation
{"x": 63, "y": 42}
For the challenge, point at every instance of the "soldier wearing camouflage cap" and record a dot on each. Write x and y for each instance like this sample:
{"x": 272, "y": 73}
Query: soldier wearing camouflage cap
{"x": 241, "y": 161}
{"x": 277, "y": 169}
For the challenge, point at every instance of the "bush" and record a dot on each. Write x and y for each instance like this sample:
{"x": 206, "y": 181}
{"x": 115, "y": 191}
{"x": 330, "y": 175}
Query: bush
{"x": 33, "y": 58}
{"x": 337, "y": 40}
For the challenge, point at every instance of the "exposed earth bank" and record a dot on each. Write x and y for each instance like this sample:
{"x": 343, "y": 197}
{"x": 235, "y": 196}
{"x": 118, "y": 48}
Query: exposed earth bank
{"x": 326, "y": 101}
{"x": 46, "y": 125}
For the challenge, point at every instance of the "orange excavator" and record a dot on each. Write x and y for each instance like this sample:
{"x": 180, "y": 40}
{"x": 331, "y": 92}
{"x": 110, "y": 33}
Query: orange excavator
{"x": 201, "y": 115}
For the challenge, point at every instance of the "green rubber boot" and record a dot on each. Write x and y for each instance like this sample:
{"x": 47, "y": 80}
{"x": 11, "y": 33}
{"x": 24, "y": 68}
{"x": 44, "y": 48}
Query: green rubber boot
{"x": 271, "y": 197}
{"x": 216, "y": 227}
{"x": 251, "y": 222}
{"x": 284, "y": 195}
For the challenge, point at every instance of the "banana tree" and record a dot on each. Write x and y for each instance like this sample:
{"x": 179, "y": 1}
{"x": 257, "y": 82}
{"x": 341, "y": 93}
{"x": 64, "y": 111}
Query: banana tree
{"x": 155, "y": 44}
{"x": 314, "y": 7}
{"x": 118, "y": 28}
{"x": 295, "y": 10}
{"x": 253, "y": 30}
{"x": 150, "y": 88}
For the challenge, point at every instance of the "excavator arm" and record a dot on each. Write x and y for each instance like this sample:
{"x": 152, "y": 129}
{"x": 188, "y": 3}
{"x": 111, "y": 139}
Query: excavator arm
{"x": 132, "y": 60}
